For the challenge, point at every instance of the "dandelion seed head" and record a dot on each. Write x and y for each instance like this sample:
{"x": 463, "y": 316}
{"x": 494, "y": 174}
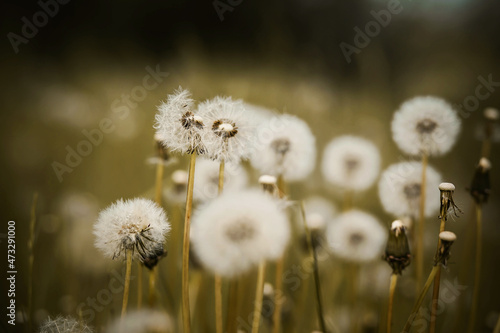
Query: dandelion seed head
{"x": 285, "y": 146}
{"x": 448, "y": 187}
{"x": 137, "y": 224}
{"x": 485, "y": 163}
{"x": 267, "y": 179}
{"x": 232, "y": 129}
{"x": 491, "y": 114}
{"x": 447, "y": 236}
{"x": 206, "y": 186}
{"x": 400, "y": 187}
{"x": 425, "y": 125}
{"x": 177, "y": 126}
{"x": 356, "y": 236}
{"x": 142, "y": 321}
{"x": 237, "y": 231}
{"x": 64, "y": 325}
{"x": 351, "y": 162}
{"x": 397, "y": 227}
{"x": 319, "y": 211}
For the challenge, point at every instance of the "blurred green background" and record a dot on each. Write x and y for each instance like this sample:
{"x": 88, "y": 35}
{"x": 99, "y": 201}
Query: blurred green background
{"x": 286, "y": 55}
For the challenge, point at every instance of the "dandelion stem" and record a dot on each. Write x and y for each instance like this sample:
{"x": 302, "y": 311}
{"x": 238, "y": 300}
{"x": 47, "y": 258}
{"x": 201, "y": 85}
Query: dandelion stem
{"x": 232, "y": 305}
{"x": 139, "y": 285}
{"x": 218, "y": 279}
{"x": 127, "y": 282}
{"x": 477, "y": 274}
{"x": 419, "y": 250}
{"x": 437, "y": 281}
{"x": 420, "y": 299}
{"x": 353, "y": 295}
{"x": 497, "y": 326}
{"x": 218, "y": 303}
{"x": 258, "y": 297}
{"x": 152, "y": 287}
{"x": 279, "y": 271}
{"x": 186, "y": 320}
{"x": 394, "y": 280}
{"x": 159, "y": 183}
{"x": 31, "y": 244}
{"x": 312, "y": 252}
{"x": 348, "y": 201}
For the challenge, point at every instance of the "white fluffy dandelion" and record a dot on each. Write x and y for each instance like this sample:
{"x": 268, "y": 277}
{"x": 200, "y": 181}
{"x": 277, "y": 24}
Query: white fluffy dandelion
{"x": 357, "y": 237}
{"x": 177, "y": 125}
{"x": 284, "y": 146}
{"x": 136, "y": 224}
{"x": 319, "y": 211}
{"x": 230, "y": 129}
{"x": 240, "y": 230}
{"x": 64, "y": 325}
{"x": 425, "y": 125}
{"x": 399, "y": 189}
{"x": 142, "y": 321}
{"x": 207, "y": 179}
{"x": 350, "y": 162}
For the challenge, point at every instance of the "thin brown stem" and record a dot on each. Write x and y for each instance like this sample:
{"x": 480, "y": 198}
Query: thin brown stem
{"x": 420, "y": 299}
{"x": 392, "y": 289}
{"x": 127, "y": 283}
{"x": 477, "y": 272}
{"x": 139, "y": 285}
{"x": 159, "y": 183}
{"x": 218, "y": 279}
{"x": 152, "y": 287}
{"x": 232, "y": 305}
{"x": 353, "y": 295}
{"x": 186, "y": 317}
{"x": 419, "y": 250}
{"x": 437, "y": 281}
{"x": 258, "y": 297}
{"x": 278, "y": 279}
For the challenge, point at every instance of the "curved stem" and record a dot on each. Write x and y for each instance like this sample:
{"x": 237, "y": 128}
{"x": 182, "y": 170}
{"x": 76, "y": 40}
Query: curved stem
{"x": 392, "y": 289}
{"x": 437, "y": 281}
{"x": 258, "y": 297}
{"x": 127, "y": 283}
{"x": 186, "y": 317}
{"x": 477, "y": 273}
{"x": 420, "y": 299}
{"x": 419, "y": 250}
{"x": 159, "y": 183}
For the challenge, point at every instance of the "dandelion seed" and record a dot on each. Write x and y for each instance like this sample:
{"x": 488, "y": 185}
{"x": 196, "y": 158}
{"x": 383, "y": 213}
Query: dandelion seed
{"x": 64, "y": 325}
{"x": 206, "y": 186}
{"x": 142, "y": 321}
{"x": 350, "y": 162}
{"x": 137, "y": 224}
{"x": 238, "y": 231}
{"x": 425, "y": 125}
{"x": 230, "y": 129}
{"x": 356, "y": 236}
{"x": 178, "y": 127}
{"x": 285, "y": 146}
{"x": 400, "y": 189}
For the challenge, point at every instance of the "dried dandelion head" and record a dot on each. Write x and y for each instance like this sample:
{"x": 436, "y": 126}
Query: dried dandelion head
{"x": 239, "y": 230}
{"x": 138, "y": 224}
{"x": 397, "y": 250}
{"x": 425, "y": 125}
{"x": 447, "y": 202}
{"x": 179, "y": 128}
{"x": 480, "y": 187}
{"x": 350, "y": 162}
{"x": 230, "y": 129}
{"x": 356, "y": 236}
{"x": 400, "y": 189}
{"x": 65, "y": 325}
{"x": 284, "y": 146}
{"x": 142, "y": 321}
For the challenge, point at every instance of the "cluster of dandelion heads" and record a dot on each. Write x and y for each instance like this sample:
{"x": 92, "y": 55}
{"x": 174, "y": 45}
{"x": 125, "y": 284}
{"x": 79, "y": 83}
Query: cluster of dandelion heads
{"x": 237, "y": 231}
{"x": 356, "y": 236}
{"x": 177, "y": 125}
{"x": 137, "y": 224}
{"x": 351, "y": 163}
{"x": 285, "y": 146}
{"x": 64, "y": 325}
{"x": 425, "y": 125}
{"x": 400, "y": 186}
{"x": 206, "y": 186}
{"x": 230, "y": 129}
{"x": 142, "y": 321}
